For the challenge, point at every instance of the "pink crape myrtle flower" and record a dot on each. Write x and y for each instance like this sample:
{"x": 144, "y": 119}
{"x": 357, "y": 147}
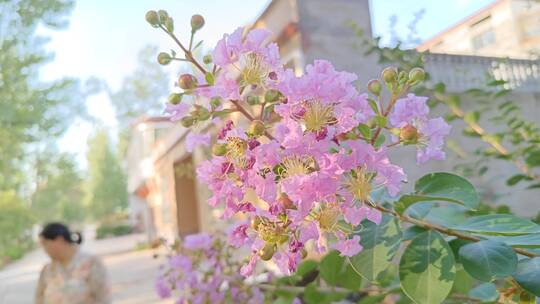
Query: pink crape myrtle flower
{"x": 413, "y": 111}
{"x": 349, "y": 247}
{"x": 195, "y": 140}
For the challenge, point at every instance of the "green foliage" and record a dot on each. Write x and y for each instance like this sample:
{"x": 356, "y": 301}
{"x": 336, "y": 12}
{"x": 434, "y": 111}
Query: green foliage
{"x": 486, "y": 292}
{"x": 335, "y": 271}
{"x": 105, "y": 189}
{"x": 110, "y": 230}
{"x": 16, "y": 221}
{"x": 427, "y": 269}
{"x": 486, "y": 260}
{"x": 528, "y": 275}
{"x": 440, "y": 186}
{"x": 380, "y": 243}
{"x": 499, "y": 224}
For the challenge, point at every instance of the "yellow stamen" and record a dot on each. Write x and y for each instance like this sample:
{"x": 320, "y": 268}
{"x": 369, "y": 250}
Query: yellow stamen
{"x": 318, "y": 116}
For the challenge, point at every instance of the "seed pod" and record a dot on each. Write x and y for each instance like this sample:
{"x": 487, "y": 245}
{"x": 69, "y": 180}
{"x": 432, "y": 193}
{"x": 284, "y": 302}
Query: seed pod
{"x": 207, "y": 59}
{"x": 164, "y": 58}
{"x": 163, "y": 16}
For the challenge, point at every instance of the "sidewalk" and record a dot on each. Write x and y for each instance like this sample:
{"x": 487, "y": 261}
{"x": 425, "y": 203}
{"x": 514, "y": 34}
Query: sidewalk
{"x": 132, "y": 273}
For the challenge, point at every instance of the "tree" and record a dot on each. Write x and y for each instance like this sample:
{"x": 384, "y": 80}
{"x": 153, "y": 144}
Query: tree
{"x": 105, "y": 190}
{"x": 59, "y": 192}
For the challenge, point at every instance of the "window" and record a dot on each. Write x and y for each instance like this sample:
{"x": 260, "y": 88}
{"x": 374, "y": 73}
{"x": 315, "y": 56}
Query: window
{"x": 483, "y": 39}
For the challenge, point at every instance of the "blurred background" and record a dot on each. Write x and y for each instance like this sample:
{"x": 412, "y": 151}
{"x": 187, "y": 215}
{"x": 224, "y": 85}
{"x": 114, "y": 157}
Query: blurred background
{"x": 83, "y": 139}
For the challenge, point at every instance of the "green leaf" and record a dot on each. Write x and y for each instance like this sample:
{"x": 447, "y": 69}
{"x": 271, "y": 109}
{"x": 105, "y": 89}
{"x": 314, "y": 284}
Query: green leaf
{"x": 197, "y": 45}
{"x": 528, "y": 275}
{"x": 486, "y": 260}
{"x": 364, "y": 130}
{"x": 306, "y": 267}
{"x": 495, "y": 83}
{"x": 381, "y": 121}
{"x": 380, "y": 243}
{"x": 463, "y": 282}
{"x": 456, "y": 245}
{"x": 379, "y": 141}
{"x": 427, "y": 269}
{"x": 498, "y": 224}
{"x": 516, "y": 179}
{"x": 349, "y": 278}
{"x": 526, "y": 298}
{"x": 373, "y": 106}
{"x": 209, "y": 77}
{"x": 440, "y": 186}
{"x": 533, "y": 160}
{"x": 411, "y": 232}
{"x": 486, "y": 292}
{"x": 519, "y": 241}
{"x": 471, "y": 117}
{"x": 330, "y": 267}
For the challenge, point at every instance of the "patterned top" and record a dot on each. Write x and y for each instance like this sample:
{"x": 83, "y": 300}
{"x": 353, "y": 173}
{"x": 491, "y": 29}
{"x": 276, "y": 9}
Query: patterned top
{"x": 83, "y": 281}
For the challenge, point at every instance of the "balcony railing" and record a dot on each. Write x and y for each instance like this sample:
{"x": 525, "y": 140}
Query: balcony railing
{"x": 461, "y": 72}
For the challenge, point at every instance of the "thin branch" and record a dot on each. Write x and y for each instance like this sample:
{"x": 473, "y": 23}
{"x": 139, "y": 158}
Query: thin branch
{"x": 444, "y": 230}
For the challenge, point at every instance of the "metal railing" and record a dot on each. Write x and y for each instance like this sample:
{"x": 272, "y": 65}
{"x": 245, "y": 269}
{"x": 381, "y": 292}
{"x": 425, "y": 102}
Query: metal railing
{"x": 462, "y": 72}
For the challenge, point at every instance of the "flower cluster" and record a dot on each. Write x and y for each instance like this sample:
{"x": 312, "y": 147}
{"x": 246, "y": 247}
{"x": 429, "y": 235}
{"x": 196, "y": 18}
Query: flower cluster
{"x": 201, "y": 270}
{"x": 302, "y": 174}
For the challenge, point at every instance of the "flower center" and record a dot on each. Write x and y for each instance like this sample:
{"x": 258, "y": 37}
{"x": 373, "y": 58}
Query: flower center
{"x": 328, "y": 217}
{"x": 298, "y": 165}
{"x": 254, "y": 70}
{"x": 236, "y": 151}
{"x": 359, "y": 184}
{"x": 317, "y": 116}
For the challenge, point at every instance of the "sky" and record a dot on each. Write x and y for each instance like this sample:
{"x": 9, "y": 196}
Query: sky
{"x": 104, "y": 37}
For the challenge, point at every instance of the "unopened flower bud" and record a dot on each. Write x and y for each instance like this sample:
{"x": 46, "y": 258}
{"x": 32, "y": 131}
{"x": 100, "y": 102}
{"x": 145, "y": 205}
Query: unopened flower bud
{"x": 267, "y": 252}
{"x": 152, "y": 18}
{"x": 374, "y": 86}
{"x": 169, "y": 24}
{"x": 271, "y": 95}
{"x": 187, "y": 82}
{"x": 207, "y": 59}
{"x": 389, "y": 74}
{"x": 408, "y": 133}
{"x": 175, "y": 98}
{"x": 163, "y": 16}
{"x": 164, "y": 58}
{"x": 219, "y": 149}
{"x": 197, "y": 22}
{"x": 286, "y": 202}
{"x": 417, "y": 75}
{"x": 202, "y": 114}
{"x": 187, "y": 121}
{"x": 257, "y": 128}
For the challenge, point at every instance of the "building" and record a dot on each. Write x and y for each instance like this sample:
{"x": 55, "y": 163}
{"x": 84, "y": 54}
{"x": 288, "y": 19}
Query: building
{"x": 506, "y": 28}
{"x": 306, "y": 30}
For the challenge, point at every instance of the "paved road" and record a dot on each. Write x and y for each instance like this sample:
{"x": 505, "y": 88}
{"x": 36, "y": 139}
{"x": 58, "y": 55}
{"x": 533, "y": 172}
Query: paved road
{"x": 132, "y": 272}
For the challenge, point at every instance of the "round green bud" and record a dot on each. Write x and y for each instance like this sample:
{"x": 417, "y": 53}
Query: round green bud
{"x": 389, "y": 74}
{"x": 417, "y": 75}
{"x": 164, "y": 58}
{"x": 163, "y": 16}
{"x": 375, "y": 87}
{"x": 197, "y": 22}
{"x": 267, "y": 252}
{"x": 175, "y": 98}
{"x": 169, "y": 24}
{"x": 207, "y": 59}
{"x": 187, "y": 121}
{"x": 187, "y": 82}
{"x": 152, "y": 18}
{"x": 252, "y": 100}
{"x": 257, "y": 128}
{"x": 219, "y": 149}
{"x": 202, "y": 114}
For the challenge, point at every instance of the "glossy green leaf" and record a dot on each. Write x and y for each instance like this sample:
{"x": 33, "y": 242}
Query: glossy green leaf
{"x": 533, "y": 160}
{"x": 487, "y": 260}
{"x": 528, "y": 275}
{"x": 486, "y": 292}
{"x": 306, "y": 267}
{"x": 440, "y": 186}
{"x": 498, "y": 224}
{"x": 427, "y": 269}
{"x": 463, "y": 282}
{"x": 330, "y": 267}
{"x": 380, "y": 243}
{"x": 519, "y": 241}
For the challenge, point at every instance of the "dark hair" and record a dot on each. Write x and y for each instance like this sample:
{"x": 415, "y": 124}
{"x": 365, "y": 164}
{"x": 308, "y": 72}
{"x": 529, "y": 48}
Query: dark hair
{"x": 53, "y": 230}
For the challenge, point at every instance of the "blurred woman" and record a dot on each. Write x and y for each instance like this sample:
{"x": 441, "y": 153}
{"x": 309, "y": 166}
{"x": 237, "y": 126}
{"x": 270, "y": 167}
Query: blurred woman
{"x": 72, "y": 276}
